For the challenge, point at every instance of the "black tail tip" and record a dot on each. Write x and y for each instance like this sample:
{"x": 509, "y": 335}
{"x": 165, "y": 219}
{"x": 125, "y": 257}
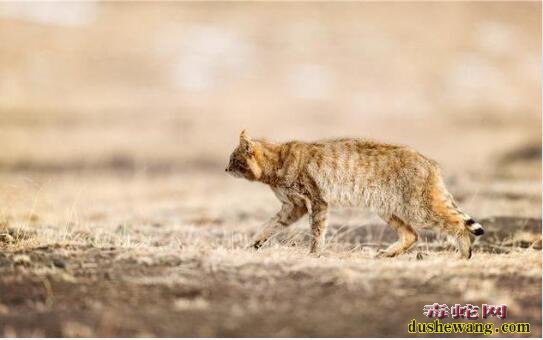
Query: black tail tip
{"x": 474, "y": 227}
{"x": 470, "y": 221}
{"x": 478, "y": 232}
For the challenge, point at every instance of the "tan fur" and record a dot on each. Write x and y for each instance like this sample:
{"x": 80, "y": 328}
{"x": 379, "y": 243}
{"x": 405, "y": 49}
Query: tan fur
{"x": 396, "y": 182}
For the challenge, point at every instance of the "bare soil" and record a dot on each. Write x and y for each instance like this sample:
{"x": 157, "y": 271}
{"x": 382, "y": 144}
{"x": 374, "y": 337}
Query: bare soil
{"x": 181, "y": 268}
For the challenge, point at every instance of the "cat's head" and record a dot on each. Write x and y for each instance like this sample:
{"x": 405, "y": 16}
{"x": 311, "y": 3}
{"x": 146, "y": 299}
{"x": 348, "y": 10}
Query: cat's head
{"x": 243, "y": 162}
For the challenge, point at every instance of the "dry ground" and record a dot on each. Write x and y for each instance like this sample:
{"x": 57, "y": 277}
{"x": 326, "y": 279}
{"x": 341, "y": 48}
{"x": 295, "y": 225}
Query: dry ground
{"x": 116, "y": 218}
{"x": 130, "y": 254}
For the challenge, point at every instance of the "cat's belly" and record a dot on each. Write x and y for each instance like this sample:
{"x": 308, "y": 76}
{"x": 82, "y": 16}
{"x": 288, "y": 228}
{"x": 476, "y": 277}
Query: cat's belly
{"x": 369, "y": 197}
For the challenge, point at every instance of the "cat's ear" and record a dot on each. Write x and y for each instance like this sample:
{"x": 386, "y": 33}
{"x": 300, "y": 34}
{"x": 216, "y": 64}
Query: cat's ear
{"x": 245, "y": 142}
{"x": 243, "y": 135}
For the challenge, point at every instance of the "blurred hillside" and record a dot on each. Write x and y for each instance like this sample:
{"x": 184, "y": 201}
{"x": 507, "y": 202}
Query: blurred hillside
{"x": 168, "y": 86}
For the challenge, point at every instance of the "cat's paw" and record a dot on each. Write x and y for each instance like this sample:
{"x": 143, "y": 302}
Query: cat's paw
{"x": 384, "y": 253}
{"x": 256, "y": 244}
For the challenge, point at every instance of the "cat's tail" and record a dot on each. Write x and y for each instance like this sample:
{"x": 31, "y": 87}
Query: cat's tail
{"x": 444, "y": 203}
{"x": 474, "y": 227}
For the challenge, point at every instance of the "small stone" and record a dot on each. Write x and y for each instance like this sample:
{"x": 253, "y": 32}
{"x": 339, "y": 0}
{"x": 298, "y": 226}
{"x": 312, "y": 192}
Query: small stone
{"x": 419, "y": 256}
{"x": 59, "y": 263}
{"x": 89, "y": 265}
{"x": 6, "y": 238}
{"x": 146, "y": 261}
{"x": 524, "y": 244}
{"x": 190, "y": 304}
{"x": 74, "y": 329}
{"x": 537, "y": 245}
{"x": 67, "y": 277}
{"x": 22, "y": 260}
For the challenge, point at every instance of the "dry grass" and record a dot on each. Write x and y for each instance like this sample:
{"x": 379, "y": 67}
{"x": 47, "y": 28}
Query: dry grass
{"x": 116, "y": 218}
{"x": 100, "y": 255}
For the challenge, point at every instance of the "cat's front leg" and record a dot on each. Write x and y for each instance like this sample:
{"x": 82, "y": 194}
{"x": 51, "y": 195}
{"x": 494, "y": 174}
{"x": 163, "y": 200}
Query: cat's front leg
{"x": 289, "y": 213}
{"x": 319, "y": 214}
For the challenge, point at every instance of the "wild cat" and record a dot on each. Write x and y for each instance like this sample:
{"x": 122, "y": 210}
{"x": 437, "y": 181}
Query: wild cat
{"x": 399, "y": 184}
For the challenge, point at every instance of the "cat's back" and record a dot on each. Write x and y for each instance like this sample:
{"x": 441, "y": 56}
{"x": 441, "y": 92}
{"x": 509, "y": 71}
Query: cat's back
{"x": 338, "y": 153}
{"x": 347, "y": 169}
{"x": 341, "y": 160}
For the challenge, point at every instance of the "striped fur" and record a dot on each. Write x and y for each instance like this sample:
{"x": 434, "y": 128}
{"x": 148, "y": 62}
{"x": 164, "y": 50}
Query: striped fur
{"x": 402, "y": 186}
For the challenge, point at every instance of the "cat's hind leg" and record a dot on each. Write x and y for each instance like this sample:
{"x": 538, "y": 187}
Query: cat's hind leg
{"x": 407, "y": 236}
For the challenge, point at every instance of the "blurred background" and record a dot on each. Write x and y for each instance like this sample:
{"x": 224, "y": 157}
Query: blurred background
{"x": 117, "y": 119}
{"x": 160, "y": 87}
